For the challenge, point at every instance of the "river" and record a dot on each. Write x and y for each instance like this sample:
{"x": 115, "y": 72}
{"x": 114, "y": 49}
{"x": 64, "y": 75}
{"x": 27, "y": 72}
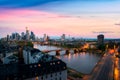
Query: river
{"x": 83, "y": 62}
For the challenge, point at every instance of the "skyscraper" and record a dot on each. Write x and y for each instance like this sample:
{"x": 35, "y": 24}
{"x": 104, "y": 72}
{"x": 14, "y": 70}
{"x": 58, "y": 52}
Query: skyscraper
{"x": 32, "y": 36}
{"x": 63, "y": 37}
{"x": 23, "y": 36}
{"x": 45, "y": 37}
{"x": 100, "y": 39}
{"x": 8, "y": 37}
{"x": 27, "y": 34}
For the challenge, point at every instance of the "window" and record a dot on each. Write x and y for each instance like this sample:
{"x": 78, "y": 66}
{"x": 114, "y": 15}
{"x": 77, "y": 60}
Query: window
{"x": 54, "y": 63}
{"x": 58, "y": 62}
{"x": 50, "y": 63}
{"x": 36, "y": 78}
{"x": 39, "y": 65}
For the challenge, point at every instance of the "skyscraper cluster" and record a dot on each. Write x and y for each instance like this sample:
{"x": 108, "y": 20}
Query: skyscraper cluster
{"x": 46, "y": 37}
{"x": 29, "y": 36}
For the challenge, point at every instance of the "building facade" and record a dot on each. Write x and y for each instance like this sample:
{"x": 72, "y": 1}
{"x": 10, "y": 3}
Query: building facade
{"x": 100, "y": 39}
{"x": 36, "y": 66}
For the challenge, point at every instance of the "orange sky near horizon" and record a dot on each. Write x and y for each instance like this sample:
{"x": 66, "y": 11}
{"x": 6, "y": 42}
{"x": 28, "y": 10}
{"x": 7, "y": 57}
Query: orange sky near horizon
{"x": 41, "y": 22}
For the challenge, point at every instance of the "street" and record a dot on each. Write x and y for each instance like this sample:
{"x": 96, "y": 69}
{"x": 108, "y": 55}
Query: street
{"x": 106, "y": 69}
{"x": 103, "y": 70}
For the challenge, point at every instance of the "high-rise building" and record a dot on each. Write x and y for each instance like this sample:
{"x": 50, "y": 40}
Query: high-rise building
{"x": 45, "y": 37}
{"x": 23, "y": 36}
{"x": 13, "y": 36}
{"x": 32, "y": 36}
{"x": 63, "y": 37}
{"x": 8, "y": 37}
{"x": 17, "y": 36}
{"x": 27, "y": 34}
{"x": 100, "y": 39}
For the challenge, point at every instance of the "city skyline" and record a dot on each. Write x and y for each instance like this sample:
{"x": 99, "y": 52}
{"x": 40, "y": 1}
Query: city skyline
{"x": 83, "y": 18}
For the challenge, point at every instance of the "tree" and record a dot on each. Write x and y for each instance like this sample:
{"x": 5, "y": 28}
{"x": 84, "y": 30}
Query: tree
{"x": 101, "y": 47}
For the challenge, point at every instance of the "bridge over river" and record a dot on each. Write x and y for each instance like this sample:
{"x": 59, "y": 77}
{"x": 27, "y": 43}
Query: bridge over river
{"x": 83, "y": 62}
{"x": 67, "y": 51}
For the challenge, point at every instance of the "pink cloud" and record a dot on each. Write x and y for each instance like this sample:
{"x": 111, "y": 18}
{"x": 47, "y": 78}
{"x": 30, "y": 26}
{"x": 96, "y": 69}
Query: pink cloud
{"x": 52, "y": 24}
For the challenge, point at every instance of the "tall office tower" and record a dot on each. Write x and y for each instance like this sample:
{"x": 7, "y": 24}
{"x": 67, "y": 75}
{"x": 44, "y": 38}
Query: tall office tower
{"x": 8, "y": 37}
{"x": 32, "y": 36}
{"x": 13, "y": 36}
{"x": 63, "y": 37}
{"x": 45, "y": 37}
{"x": 100, "y": 39}
{"x": 22, "y": 36}
{"x": 17, "y": 36}
{"x": 27, "y": 34}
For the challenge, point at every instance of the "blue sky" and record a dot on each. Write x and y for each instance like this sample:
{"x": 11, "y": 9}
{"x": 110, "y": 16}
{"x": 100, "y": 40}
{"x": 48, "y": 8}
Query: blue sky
{"x": 94, "y": 15}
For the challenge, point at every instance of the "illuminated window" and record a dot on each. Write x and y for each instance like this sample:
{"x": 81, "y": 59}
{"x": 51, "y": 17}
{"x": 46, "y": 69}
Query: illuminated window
{"x": 39, "y": 65}
{"x": 63, "y": 67}
{"x": 54, "y": 63}
{"x": 36, "y": 78}
{"x": 50, "y": 63}
{"x": 58, "y": 62}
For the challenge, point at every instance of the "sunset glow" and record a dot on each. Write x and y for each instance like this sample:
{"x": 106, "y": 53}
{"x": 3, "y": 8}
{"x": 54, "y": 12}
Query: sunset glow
{"x": 54, "y": 19}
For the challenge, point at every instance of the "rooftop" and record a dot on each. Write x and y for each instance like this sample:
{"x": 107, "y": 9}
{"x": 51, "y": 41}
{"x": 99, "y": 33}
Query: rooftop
{"x": 40, "y": 56}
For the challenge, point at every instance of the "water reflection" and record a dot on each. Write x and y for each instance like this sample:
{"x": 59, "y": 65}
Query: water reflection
{"x": 82, "y": 62}
{"x": 45, "y": 47}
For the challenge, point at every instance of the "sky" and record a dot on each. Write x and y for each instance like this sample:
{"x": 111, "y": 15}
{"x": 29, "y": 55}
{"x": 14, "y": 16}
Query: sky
{"x": 77, "y": 18}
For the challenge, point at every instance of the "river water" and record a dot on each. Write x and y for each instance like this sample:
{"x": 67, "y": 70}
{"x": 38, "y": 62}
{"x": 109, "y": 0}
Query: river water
{"x": 83, "y": 62}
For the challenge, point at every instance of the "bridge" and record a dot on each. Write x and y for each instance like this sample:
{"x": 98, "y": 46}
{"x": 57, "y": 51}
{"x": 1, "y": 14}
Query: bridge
{"x": 67, "y": 51}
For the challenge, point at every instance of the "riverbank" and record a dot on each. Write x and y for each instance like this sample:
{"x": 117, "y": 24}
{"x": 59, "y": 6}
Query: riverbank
{"x": 100, "y": 66}
{"x": 79, "y": 62}
{"x": 74, "y": 75}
